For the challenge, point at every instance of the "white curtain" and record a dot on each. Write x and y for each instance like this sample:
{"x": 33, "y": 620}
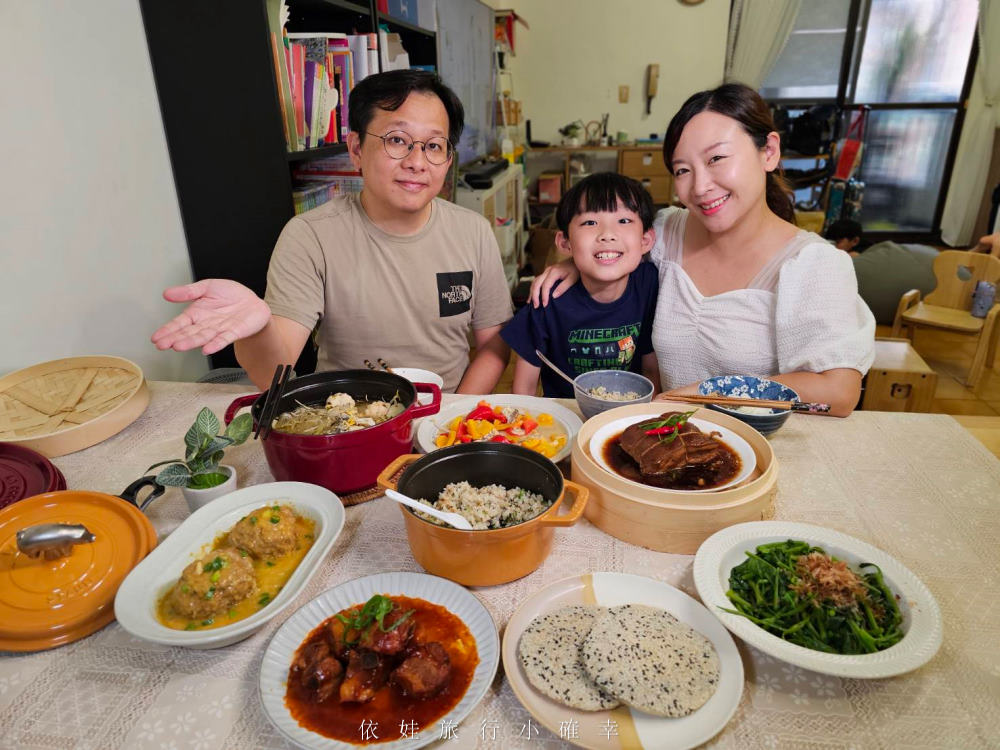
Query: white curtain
{"x": 758, "y": 30}
{"x": 972, "y": 163}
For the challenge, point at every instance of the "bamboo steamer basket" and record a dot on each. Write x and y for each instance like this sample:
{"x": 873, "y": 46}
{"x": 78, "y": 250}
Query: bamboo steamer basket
{"x": 66, "y": 405}
{"x": 672, "y": 521}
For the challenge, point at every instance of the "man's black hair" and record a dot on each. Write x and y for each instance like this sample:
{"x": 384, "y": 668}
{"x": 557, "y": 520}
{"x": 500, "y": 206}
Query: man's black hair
{"x": 602, "y": 192}
{"x": 843, "y": 229}
{"x": 389, "y": 90}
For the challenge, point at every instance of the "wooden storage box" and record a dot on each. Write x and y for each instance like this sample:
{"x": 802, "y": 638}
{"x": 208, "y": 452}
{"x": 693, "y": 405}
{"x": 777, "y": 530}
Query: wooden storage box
{"x": 676, "y": 522}
{"x": 899, "y": 379}
{"x": 549, "y": 187}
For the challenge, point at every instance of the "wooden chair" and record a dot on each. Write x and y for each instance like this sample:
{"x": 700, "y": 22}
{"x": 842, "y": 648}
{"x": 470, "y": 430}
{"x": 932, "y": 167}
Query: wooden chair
{"x": 948, "y": 306}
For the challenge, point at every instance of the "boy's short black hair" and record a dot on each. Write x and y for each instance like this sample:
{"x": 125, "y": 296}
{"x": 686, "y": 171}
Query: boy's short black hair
{"x": 602, "y": 192}
{"x": 843, "y": 229}
{"x": 389, "y": 90}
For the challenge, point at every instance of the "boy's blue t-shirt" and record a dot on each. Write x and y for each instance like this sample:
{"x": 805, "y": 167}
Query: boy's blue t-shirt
{"x": 580, "y": 334}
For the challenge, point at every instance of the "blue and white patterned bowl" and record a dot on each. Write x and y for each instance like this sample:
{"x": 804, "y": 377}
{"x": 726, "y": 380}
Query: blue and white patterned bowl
{"x": 749, "y": 386}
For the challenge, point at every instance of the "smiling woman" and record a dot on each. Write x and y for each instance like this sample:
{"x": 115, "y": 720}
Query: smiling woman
{"x": 742, "y": 289}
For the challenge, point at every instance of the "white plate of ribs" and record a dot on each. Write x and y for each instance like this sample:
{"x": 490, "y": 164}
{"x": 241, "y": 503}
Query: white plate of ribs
{"x": 673, "y": 452}
{"x": 388, "y": 659}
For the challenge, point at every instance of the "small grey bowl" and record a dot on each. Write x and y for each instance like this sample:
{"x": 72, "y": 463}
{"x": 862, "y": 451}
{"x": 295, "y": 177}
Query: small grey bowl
{"x": 621, "y": 381}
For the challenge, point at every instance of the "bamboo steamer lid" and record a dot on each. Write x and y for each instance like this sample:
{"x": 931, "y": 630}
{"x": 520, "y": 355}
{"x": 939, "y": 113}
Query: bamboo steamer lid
{"x": 671, "y": 521}
{"x": 48, "y": 603}
{"x": 66, "y": 405}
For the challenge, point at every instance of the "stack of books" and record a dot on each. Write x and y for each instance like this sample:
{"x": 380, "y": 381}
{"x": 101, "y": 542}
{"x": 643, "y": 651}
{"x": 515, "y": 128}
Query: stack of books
{"x": 316, "y": 182}
{"x": 315, "y": 73}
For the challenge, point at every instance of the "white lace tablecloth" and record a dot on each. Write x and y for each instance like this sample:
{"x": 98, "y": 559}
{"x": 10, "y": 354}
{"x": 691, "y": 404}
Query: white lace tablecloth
{"x": 916, "y": 485}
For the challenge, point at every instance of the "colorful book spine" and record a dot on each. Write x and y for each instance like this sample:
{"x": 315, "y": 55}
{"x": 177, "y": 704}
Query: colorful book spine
{"x": 297, "y": 76}
{"x": 341, "y": 59}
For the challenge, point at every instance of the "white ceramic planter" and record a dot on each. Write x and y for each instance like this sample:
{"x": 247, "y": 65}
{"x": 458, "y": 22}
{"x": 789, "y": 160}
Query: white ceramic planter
{"x": 199, "y": 498}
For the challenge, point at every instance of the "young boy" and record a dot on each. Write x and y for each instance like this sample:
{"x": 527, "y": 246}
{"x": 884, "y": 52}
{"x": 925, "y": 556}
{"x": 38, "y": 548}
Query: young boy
{"x": 604, "y": 321}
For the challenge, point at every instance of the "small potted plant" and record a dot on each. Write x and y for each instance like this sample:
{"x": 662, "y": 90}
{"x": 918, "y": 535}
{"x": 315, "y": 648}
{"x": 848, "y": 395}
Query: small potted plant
{"x": 199, "y": 474}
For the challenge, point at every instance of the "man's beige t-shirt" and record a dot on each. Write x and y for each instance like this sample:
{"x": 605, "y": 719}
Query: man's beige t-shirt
{"x": 408, "y": 299}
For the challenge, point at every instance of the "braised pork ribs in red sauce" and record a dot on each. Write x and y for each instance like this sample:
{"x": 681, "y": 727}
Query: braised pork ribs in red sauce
{"x": 394, "y": 659}
{"x": 684, "y": 458}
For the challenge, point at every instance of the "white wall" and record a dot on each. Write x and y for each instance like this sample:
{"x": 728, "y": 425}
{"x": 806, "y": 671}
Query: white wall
{"x": 569, "y": 64}
{"x": 90, "y": 230}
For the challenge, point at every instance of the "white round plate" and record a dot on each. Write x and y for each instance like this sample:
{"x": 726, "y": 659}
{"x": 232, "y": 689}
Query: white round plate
{"x": 727, "y": 548}
{"x": 456, "y": 599}
{"x": 748, "y": 459}
{"x": 654, "y": 732}
{"x": 430, "y": 427}
{"x": 417, "y": 375}
{"x": 135, "y": 602}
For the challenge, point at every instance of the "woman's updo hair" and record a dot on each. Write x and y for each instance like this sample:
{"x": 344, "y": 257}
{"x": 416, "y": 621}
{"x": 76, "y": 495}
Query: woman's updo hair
{"x": 743, "y": 104}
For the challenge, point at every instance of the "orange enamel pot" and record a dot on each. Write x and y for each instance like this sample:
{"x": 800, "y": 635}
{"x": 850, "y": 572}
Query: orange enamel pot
{"x": 489, "y": 556}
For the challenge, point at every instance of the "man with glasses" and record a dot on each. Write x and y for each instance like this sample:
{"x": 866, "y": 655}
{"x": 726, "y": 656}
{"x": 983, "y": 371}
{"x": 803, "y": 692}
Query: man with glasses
{"x": 393, "y": 272}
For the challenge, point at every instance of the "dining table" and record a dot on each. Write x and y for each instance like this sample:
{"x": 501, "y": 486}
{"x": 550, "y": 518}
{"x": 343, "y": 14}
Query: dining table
{"x": 917, "y": 486}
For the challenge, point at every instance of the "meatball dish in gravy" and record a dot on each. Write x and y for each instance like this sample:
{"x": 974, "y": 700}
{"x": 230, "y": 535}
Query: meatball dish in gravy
{"x": 243, "y": 572}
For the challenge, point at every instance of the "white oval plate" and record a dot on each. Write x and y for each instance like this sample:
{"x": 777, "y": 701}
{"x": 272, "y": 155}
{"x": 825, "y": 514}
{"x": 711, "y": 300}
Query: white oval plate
{"x": 726, "y": 549}
{"x": 748, "y": 459}
{"x": 654, "y": 732}
{"x": 430, "y": 427}
{"x": 135, "y": 602}
{"x": 456, "y": 599}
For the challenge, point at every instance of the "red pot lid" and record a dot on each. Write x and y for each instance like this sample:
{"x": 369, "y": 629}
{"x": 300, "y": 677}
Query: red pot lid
{"x": 24, "y": 473}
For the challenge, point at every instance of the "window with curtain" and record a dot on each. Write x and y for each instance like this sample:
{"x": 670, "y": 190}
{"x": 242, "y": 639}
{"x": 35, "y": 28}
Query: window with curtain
{"x": 909, "y": 62}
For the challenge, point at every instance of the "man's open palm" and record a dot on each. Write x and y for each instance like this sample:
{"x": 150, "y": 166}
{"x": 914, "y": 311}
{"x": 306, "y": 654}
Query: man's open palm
{"x": 221, "y": 312}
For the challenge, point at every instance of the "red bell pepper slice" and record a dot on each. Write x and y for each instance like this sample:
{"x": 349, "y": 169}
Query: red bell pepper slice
{"x": 483, "y": 411}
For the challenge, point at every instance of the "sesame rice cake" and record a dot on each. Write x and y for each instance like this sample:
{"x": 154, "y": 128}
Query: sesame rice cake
{"x": 650, "y": 661}
{"x": 549, "y": 651}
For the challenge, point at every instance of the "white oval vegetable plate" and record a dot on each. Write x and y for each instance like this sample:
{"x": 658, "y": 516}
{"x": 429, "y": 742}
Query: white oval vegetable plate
{"x": 456, "y": 599}
{"x": 135, "y": 602}
{"x": 727, "y": 548}
{"x": 430, "y": 427}
{"x": 748, "y": 459}
{"x": 631, "y": 726}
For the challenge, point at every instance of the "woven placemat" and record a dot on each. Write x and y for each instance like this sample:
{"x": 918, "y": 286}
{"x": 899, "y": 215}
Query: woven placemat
{"x": 363, "y": 496}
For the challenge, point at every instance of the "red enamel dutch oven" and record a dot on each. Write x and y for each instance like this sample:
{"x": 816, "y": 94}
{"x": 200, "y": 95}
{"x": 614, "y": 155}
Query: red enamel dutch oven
{"x": 350, "y": 461}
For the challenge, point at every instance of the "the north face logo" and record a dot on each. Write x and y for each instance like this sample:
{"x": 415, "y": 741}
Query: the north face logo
{"x": 454, "y": 292}
{"x": 457, "y": 294}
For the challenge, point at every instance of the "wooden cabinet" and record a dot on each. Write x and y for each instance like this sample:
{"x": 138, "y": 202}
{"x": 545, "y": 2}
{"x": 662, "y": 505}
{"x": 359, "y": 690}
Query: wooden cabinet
{"x": 215, "y": 81}
{"x": 646, "y": 165}
{"x": 643, "y": 163}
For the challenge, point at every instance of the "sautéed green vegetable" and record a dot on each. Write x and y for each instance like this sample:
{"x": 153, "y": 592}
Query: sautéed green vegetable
{"x": 799, "y": 593}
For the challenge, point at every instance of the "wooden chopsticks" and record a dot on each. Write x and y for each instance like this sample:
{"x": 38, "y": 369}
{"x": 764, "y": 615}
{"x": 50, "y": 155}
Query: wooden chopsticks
{"x": 271, "y": 400}
{"x": 800, "y": 406}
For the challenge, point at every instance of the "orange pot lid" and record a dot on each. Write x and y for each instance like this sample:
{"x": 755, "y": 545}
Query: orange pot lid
{"x": 48, "y": 603}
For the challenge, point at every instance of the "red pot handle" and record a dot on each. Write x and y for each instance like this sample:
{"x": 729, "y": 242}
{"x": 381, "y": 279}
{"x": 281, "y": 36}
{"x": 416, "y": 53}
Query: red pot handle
{"x": 238, "y": 404}
{"x": 422, "y": 410}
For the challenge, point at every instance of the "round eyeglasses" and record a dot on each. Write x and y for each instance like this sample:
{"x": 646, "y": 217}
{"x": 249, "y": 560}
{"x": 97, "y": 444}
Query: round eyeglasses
{"x": 399, "y": 144}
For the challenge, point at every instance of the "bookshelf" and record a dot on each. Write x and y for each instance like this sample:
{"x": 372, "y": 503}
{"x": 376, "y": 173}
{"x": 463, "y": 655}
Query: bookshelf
{"x": 214, "y": 78}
